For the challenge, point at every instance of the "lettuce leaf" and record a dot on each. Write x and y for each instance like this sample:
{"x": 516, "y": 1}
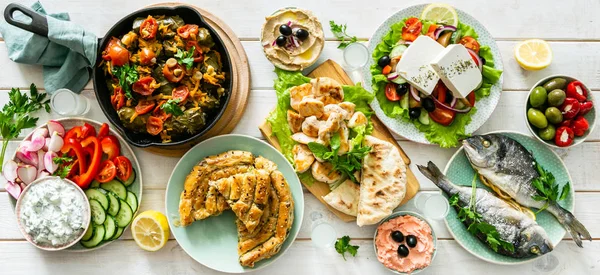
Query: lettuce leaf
{"x": 467, "y": 30}
{"x": 447, "y": 136}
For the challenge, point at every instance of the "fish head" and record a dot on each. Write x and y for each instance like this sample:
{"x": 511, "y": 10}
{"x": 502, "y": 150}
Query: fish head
{"x": 533, "y": 242}
{"x": 483, "y": 151}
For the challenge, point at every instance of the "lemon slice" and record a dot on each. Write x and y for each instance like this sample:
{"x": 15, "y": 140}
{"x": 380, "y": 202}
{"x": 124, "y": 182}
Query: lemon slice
{"x": 533, "y": 54}
{"x": 150, "y": 230}
{"x": 441, "y": 14}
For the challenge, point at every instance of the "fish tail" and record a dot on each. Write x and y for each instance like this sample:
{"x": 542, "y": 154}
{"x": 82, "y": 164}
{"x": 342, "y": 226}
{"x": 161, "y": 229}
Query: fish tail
{"x": 571, "y": 224}
{"x": 433, "y": 173}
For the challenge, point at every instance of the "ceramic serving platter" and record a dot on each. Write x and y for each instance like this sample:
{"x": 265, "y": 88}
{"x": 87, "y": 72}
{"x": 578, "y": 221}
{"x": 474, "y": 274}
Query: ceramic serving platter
{"x": 213, "y": 241}
{"x": 485, "y": 106}
{"x": 460, "y": 172}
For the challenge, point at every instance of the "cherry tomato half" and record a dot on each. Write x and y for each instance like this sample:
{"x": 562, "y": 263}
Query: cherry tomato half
{"x": 148, "y": 28}
{"x": 154, "y": 125}
{"x": 471, "y": 99}
{"x": 470, "y": 43}
{"x": 147, "y": 56}
{"x": 144, "y": 106}
{"x": 143, "y": 86}
{"x": 442, "y": 115}
{"x": 390, "y": 92}
{"x": 188, "y": 30}
{"x": 108, "y": 171}
{"x": 116, "y": 53}
{"x": 169, "y": 73}
{"x": 412, "y": 29}
{"x": 160, "y": 113}
{"x": 124, "y": 168}
{"x": 117, "y": 99}
{"x": 198, "y": 54}
{"x": 181, "y": 93}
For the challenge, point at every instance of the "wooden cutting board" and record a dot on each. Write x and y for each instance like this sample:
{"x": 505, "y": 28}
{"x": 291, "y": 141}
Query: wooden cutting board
{"x": 319, "y": 189}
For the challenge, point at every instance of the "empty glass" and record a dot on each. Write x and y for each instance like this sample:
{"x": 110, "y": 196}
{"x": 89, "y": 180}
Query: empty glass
{"x": 432, "y": 205}
{"x": 67, "y": 103}
{"x": 322, "y": 233}
{"x": 356, "y": 56}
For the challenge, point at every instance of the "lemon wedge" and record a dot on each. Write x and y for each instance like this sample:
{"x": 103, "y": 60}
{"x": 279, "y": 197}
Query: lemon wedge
{"x": 441, "y": 14}
{"x": 533, "y": 54}
{"x": 150, "y": 230}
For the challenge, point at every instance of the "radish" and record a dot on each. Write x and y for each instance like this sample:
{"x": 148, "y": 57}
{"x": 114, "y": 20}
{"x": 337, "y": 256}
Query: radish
{"x": 13, "y": 189}
{"x": 43, "y": 174}
{"x": 56, "y": 142}
{"x": 27, "y": 173}
{"x": 10, "y": 170}
{"x": 40, "y": 132}
{"x": 49, "y": 161}
{"x": 55, "y": 126}
{"x": 45, "y": 148}
{"x": 35, "y": 144}
{"x": 26, "y": 156}
{"x": 41, "y": 166}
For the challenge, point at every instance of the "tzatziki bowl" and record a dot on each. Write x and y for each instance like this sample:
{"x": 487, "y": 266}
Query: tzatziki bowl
{"x": 53, "y": 213}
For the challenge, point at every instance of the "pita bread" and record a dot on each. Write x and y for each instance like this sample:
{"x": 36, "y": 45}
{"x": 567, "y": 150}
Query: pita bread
{"x": 383, "y": 183}
{"x": 344, "y": 198}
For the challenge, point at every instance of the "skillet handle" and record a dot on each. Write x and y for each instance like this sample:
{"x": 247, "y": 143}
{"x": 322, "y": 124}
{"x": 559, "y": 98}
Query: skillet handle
{"x": 38, "y": 25}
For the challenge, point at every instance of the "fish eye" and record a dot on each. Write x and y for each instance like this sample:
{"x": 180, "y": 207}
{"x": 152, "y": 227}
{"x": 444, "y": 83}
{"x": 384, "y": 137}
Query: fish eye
{"x": 535, "y": 249}
{"x": 486, "y": 143}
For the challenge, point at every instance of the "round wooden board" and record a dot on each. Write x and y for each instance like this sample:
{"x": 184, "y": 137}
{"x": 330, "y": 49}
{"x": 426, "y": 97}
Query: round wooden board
{"x": 240, "y": 88}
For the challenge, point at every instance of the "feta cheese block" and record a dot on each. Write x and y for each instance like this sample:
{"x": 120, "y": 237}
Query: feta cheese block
{"x": 414, "y": 66}
{"x": 457, "y": 70}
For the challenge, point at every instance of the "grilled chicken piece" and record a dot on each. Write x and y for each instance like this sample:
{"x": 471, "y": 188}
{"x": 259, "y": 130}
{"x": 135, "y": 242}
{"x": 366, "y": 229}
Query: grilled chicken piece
{"x": 311, "y": 125}
{"x": 327, "y": 90}
{"x": 303, "y": 138}
{"x": 334, "y": 108}
{"x": 348, "y": 107}
{"x": 310, "y": 107}
{"x": 344, "y": 144}
{"x": 323, "y": 171}
{"x": 297, "y": 93}
{"x": 358, "y": 119}
{"x": 303, "y": 157}
{"x": 295, "y": 121}
{"x": 331, "y": 126}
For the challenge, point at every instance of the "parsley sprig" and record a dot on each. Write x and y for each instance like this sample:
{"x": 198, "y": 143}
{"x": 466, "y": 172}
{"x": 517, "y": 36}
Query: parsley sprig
{"x": 171, "y": 107}
{"x": 127, "y": 75}
{"x": 63, "y": 166}
{"x": 14, "y": 116}
{"x": 476, "y": 225}
{"x": 346, "y": 163}
{"x": 547, "y": 188}
{"x": 340, "y": 33}
{"x": 343, "y": 245}
{"x": 186, "y": 58}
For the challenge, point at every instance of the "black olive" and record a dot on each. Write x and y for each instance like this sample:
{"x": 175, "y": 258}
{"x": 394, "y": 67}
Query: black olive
{"x": 397, "y": 236}
{"x": 384, "y": 61}
{"x": 414, "y": 113}
{"x": 482, "y": 61}
{"x": 411, "y": 240}
{"x": 302, "y": 34}
{"x": 402, "y": 89}
{"x": 285, "y": 30}
{"x": 281, "y": 40}
{"x": 428, "y": 104}
{"x": 402, "y": 250}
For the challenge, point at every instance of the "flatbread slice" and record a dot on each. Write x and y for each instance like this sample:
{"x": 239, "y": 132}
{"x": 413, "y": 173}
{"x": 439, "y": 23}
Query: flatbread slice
{"x": 344, "y": 198}
{"x": 383, "y": 181}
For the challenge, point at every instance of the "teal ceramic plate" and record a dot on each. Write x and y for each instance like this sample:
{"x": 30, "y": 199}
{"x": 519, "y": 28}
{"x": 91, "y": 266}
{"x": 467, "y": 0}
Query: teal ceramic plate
{"x": 460, "y": 172}
{"x": 485, "y": 106}
{"x": 213, "y": 241}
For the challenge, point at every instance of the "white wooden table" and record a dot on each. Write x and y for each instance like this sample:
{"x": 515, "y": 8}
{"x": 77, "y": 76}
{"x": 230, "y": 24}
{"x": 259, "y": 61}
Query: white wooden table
{"x": 572, "y": 28}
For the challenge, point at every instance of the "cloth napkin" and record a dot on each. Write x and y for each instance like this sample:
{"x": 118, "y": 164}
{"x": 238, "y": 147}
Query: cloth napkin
{"x": 68, "y": 54}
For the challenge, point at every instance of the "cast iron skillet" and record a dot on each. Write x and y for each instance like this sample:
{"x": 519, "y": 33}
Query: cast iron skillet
{"x": 39, "y": 25}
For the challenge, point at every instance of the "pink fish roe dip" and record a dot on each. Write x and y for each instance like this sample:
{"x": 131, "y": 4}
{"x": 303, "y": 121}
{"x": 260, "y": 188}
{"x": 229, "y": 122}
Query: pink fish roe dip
{"x": 387, "y": 249}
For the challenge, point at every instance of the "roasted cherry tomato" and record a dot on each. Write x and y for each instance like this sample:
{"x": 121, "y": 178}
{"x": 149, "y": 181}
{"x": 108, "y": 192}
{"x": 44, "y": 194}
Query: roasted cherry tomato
{"x": 144, "y": 86}
{"x": 570, "y": 108}
{"x": 470, "y": 43}
{"x": 412, "y": 29}
{"x": 147, "y": 56}
{"x": 108, "y": 171}
{"x": 431, "y": 31}
{"x": 154, "y": 125}
{"x": 116, "y": 53}
{"x": 148, "y": 28}
{"x": 188, "y": 30}
{"x": 144, "y": 106}
{"x": 585, "y": 107}
{"x": 180, "y": 93}
{"x": 124, "y": 168}
{"x": 564, "y": 136}
{"x": 471, "y": 99}
{"x": 198, "y": 54}
{"x": 160, "y": 113}
{"x": 170, "y": 73}
{"x": 117, "y": 99}
{"x": 442, "y": 115}
{"x": 579, "y": 126}
{"x": 390, "y": 92}
{"x": 110, "y": 146}
{"x": 103, "y": 131}
{"x": 577, "y": 91}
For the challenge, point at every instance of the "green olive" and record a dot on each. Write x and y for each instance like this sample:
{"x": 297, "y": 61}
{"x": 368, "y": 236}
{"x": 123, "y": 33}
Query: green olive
{"x": 556, "y": 97}
{"x": 548, "y": 133}
{"x": 553, "y": 115}
{"x": 538, "y": 96}
{"x": 537, "y": 118}
{"x": 555, "y": 83}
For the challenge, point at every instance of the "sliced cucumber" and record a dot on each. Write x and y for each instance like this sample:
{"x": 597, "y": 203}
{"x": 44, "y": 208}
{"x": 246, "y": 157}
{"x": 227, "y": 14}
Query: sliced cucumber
{"x": 118, "y": 233}
{"x": 404, "y": 101}
{"x": 96, "y": 239}
{"x": 398, "y": 50}
{"x": 95, "y": 184}
{"x": 115, "y": 205}
{"x": 424, "y": 117}
{"x": 132, "y": 200}
{"x": 110, "y": 226}
{"x": 98, "y": 212}
{"x": 89, "y": 233}
{"x": 131, "y": 178}
{"x": 125, "y": 215}
{"x": 96, "y": 194}
{"x": 115, "y": 187}
{"x": 399, "y": 80}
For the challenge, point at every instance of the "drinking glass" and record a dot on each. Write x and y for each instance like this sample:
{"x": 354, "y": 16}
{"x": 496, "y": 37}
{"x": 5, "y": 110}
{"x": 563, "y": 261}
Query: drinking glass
{"x": 356, "y": 56}
{"x": 433, "y": 206}
{"x": 322, "y": 233}
{"x": 67, "y": 103}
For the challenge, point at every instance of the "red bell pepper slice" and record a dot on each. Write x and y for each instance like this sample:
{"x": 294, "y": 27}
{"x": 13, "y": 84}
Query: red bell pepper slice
{"x": 110, "y": 146}
{"x": 85, "y": 176}
{"x": 103, "y": 131}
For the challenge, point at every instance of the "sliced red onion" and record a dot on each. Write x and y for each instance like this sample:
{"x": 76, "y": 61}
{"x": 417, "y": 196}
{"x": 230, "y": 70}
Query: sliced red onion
{"x": 9, "y": 170}
{"x": 56, "y": 142}
{"x": 51, "y": 166}
{"x": 41, "y": 165}
{"x": 295, "y": 41}
{"x": 479, "y": 59}
{"x": 27, "y": 173}
{"x": 442, "y": 29}
{"x": 14, "y": 189}
{"x": 465, "y": 110}
{"x": 289, "y": 23}
{"x": 392, "y": 76}
{"x": 55, "y": 126}
{"x": 274, "y": 42}
{"x": 453, "y": 102}
{"x": 415, "y": 93}
{"x": 27, "y": 157}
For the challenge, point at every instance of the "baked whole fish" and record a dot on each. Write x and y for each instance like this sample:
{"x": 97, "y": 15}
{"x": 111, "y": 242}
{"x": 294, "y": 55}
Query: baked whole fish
{"x": 528, "y": 238}
{"x": 508, "y": 165}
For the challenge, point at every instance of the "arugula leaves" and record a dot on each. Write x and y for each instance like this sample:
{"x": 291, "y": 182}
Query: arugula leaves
{"x": 63, "y": 169}
{"x": 340, "y": 33}
{"x": 127, "y": 75}
{"x": 346, "y": 163}
{"x": 14, "y": 116}
{"x": 171, "y": 107}
{"x": 186, "y": 58}
{"x": 547, "y": 188}
{"x": 343, "y": 245}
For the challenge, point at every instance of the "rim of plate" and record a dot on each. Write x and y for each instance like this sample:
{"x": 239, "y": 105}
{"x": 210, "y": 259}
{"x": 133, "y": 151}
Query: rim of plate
{"x": 459, "y": 241}
{"x": 293, "y": 238}
{"x": 133, "y": 158}
{"x": 420, "y": 136}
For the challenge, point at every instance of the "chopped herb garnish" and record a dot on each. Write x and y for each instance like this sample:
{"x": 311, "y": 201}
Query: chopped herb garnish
{"x": 171, "y": 107}
{"x": 186, "y": 58}
{"x": 340, "y": 33}
{"x": 62, "y": 160}
{"x": 127, "y": 75}
{"x": 63, "y": 169}
{"x": 547, "y": 188}
{"x": 346, "y": 163}
{"x": 343, "y": 245}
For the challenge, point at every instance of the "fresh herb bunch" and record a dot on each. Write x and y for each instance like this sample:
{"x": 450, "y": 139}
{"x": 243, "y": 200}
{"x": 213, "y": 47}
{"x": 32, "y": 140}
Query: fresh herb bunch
{"x": 476, "y": 225}
{"x": 343, "y": 245}
{"x": 63, "y": 167}
{"x": 171, "y": 107}
{"x": 547, "y": 188}
{"x": 346, "y": 163}
{"x": 14, "y": 116}
{"x": 340, "y": 33}
{"x": 127, "y": 75}
{"x": 186, "y": 58}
